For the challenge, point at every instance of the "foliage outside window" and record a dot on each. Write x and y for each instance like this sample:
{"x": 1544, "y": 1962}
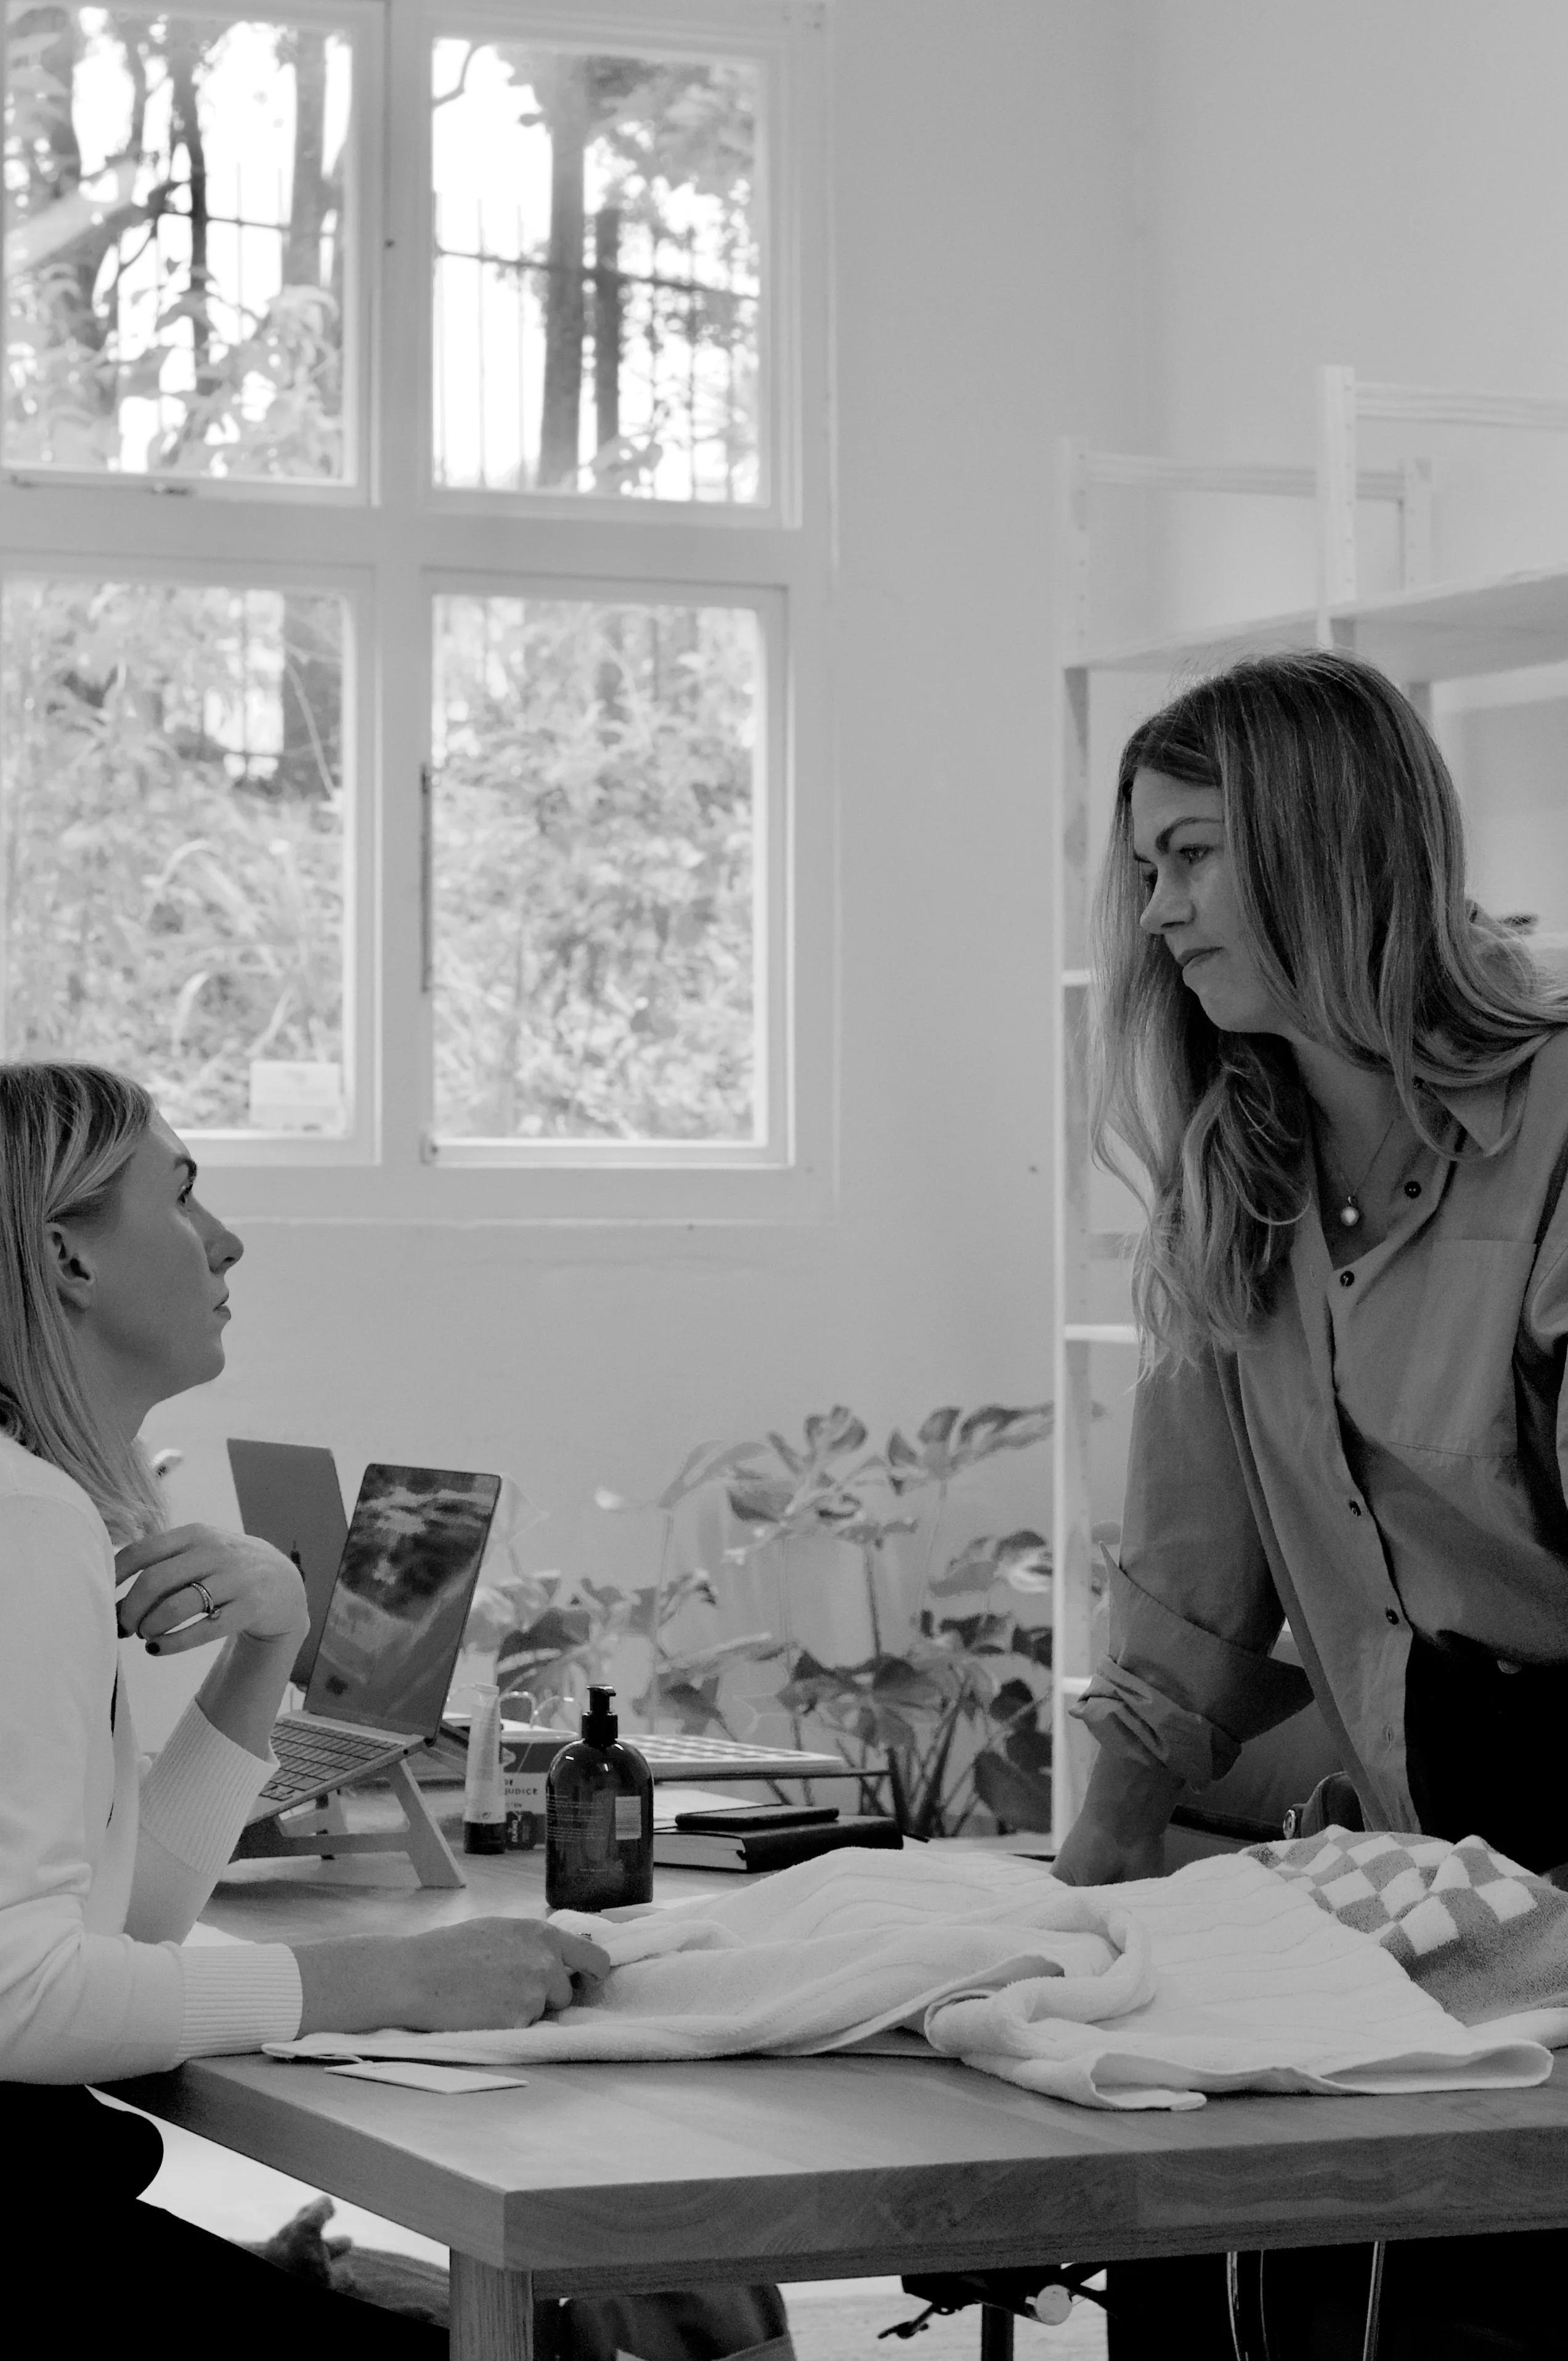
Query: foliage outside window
{"x": 174, "y": 843}
{"x": 175, "y": 244}
{"x": 596, "y": 273}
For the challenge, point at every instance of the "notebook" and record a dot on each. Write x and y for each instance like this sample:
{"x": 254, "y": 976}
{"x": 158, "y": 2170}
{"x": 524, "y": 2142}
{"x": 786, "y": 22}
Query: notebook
{"x": 390, "y": 1631}
{"x": 288, "y": 1495}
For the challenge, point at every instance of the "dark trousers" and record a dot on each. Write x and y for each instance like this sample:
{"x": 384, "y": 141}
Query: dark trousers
{"x": 115, "y": 2263}
{"x": 1483, "y": 1750}
{"x": 118, "y": 2272}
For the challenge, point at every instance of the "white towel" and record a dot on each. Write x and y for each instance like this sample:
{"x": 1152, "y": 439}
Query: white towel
{"x": 1224, "y": 1977}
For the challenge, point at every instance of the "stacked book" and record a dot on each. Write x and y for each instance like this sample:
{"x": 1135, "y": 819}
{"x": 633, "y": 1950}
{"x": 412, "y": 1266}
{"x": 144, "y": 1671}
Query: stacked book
{"x": 752, "y": 1836}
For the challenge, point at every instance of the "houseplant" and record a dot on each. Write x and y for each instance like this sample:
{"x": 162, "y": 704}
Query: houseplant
{"x": 946, "y": 1711}
{"x": 953, "y": 1702}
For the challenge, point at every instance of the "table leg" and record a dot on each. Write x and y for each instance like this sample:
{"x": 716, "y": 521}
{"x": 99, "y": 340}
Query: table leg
{"x": 995, "y": 2334}
{"x": 492, "y": 2312}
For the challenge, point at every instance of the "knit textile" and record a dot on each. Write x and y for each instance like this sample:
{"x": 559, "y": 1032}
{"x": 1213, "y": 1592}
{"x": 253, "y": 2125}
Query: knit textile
{"x": 1485, "y": 1937}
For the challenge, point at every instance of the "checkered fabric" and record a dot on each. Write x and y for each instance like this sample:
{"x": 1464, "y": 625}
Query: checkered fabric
{"x": 1480, "y": 1934}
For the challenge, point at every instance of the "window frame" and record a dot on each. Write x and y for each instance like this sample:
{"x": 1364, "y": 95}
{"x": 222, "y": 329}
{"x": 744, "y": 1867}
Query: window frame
{"x": 392, "y": 541}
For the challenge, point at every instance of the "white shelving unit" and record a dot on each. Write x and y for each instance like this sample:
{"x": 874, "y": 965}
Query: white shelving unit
{"x": 1421, "y": 634}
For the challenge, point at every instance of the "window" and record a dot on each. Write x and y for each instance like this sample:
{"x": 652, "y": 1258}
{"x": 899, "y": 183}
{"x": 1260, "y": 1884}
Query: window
{"x": 413, "y": 569}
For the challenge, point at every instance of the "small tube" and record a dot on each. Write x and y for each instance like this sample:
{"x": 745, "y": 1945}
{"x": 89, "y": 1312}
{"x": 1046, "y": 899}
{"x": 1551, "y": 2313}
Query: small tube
{"x": 484, "y": 1794}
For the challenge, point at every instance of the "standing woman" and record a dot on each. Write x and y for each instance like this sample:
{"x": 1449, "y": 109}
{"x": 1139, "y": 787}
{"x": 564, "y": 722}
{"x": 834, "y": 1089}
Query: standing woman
{"x": 114, "y": 1287}
{"x": 1348, "y": 1089}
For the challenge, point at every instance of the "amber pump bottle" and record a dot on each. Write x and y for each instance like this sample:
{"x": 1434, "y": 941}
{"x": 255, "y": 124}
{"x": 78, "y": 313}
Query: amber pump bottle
{"x": 598, "y": 1818}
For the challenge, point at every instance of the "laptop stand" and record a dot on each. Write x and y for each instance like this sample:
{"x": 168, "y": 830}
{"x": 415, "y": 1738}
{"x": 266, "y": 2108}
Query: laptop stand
{"x": 321, "y": 1828}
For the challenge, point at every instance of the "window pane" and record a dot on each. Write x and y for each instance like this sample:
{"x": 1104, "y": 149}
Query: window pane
{"x": 172, "y": 809}
{"x": 175, "y": 201}
{"x": 595, "y": 846}
{"x": 595, "y": 273}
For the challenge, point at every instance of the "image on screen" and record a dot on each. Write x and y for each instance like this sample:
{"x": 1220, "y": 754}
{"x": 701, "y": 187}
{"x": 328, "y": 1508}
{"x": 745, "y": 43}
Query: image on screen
{"x": 396, "y": 1620}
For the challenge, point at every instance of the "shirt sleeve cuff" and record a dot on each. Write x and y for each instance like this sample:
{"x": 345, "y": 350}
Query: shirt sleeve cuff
{"x": 1180, "y": 1696}
{"x": 199, "y": 1788}
{"x": 1129, "y": 1717}
{"x": 238, "y": 1997}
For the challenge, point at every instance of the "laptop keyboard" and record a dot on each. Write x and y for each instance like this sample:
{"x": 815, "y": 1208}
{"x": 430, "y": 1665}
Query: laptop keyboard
{"x": 309, "y": 1762}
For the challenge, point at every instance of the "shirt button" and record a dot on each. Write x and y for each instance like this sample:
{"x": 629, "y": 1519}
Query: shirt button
{"x": 1412, "y": 1188}
{"x": 1389, "y": 1733}
{"x": 1354, "y": 1506}
{"x": 1347, "y": 1279}
{"x": 1390, "y": 1615}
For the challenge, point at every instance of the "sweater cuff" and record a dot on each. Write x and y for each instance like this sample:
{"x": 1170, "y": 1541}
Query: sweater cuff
{"x": 196, "y": 1793}
{"x": 238, "y": 1995}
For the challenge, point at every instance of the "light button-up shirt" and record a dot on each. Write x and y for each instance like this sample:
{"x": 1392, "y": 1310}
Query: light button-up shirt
{"x": 1383, "y": 1455}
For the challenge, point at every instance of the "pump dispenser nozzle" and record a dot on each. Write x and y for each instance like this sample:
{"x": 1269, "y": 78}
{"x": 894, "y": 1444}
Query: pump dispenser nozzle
{"x": 601, "y": 1723}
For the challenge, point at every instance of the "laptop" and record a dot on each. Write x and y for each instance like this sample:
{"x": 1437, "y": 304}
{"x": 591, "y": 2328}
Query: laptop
{"x": 389, "y": 1634}
{"x": 288, "y": 1495}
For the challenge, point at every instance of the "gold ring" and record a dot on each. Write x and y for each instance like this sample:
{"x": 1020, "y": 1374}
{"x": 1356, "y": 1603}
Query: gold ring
{"x": 208, "y": 1609}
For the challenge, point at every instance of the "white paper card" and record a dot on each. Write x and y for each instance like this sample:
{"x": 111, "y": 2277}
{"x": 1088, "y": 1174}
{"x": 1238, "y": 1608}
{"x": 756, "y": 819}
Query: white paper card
{"x": 416, "y": 2077}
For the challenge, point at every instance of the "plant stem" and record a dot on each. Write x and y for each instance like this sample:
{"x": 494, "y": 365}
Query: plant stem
{"x": 868, "y": 1566}
{"x": 995, "y": 1738}
{"x": 655, "y": 1685}
{"x": 900, "y": 1795}
{"x": 931, "y": 1551}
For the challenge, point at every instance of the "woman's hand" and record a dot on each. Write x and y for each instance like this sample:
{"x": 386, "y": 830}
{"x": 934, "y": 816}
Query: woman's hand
{"x": 1119, "y": 1832}
{"x": 481, "y": 1972}
{"x": 1093, "y": 1855}
{"x": 257, "y": 1591}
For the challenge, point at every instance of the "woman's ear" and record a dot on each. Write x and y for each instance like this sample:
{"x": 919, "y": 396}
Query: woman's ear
{"x": 70, "y": 1265}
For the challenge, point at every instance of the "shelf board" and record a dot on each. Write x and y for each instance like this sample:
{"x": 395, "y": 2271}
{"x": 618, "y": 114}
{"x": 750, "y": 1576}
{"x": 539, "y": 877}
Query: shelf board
{"x": 1452, "y": 632}
{"x": 1201, "y": 651}
{"x": 1446, "y": 631}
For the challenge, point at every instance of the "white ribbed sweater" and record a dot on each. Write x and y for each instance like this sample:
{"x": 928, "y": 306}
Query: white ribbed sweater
{"x": 104, "y": 1861}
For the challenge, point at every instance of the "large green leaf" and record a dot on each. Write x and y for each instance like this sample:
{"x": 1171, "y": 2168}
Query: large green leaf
{"x": 1019, "y": 1799}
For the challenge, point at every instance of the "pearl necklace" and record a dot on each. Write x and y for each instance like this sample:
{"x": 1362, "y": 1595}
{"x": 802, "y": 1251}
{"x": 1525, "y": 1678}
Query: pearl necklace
{"x": 1349, "y": 1215}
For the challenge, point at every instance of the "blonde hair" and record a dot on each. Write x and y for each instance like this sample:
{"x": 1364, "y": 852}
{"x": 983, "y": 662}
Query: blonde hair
{"x": 67, "y": 1132}
{"x": 1344, "y": 838}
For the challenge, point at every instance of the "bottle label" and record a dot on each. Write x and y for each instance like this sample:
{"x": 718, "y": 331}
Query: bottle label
{"x": 581, "y": 1824}
{"x": 627, "y": 1817}
{"x": 526, "y": 1806}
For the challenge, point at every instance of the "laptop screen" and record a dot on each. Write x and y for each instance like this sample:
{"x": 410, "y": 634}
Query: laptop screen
{"x": 395, "y": 1621}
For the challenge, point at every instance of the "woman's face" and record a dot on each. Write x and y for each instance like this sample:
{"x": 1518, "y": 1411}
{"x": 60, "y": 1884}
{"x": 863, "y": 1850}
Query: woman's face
{"x": 1179, "y": 844}
{"x": 153, "y": 1305}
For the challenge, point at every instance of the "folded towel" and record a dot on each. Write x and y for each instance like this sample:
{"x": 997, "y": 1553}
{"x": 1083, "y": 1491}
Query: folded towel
{"x": 1487, "y": 1939}
{"x": 1224, "y": 1977}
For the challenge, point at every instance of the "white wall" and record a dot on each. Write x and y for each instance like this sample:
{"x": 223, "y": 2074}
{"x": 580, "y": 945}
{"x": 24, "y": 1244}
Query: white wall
{"x": 1382, "y": 182}
{"x": 985, "y": 295}
{"x": 1385, "y": 185}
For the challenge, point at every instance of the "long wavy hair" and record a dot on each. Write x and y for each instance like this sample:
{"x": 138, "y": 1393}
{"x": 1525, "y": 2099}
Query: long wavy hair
{"x": 1344, "y": 838}
{"x": 67, "y": 1132}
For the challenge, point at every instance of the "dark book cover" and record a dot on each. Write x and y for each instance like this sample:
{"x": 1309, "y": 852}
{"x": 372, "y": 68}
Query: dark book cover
{"x": 770, "y": 1848}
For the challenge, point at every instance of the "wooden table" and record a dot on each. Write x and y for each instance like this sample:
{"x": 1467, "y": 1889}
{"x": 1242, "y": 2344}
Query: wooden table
{"x": 647, "y": 2177}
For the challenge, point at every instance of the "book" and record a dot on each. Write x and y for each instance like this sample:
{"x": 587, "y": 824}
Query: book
{"x": 765, "y": 1849}
{"x": 752, "y": 1819}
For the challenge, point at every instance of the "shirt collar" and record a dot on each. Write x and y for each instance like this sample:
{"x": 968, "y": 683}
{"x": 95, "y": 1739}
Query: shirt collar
{"x": 1479, "y": 1108}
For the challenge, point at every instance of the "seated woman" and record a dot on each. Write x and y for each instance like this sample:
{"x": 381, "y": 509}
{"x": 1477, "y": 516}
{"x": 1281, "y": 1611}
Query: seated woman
{"x": 113, "y": 1286}
{"x": 1348, "y": 1090}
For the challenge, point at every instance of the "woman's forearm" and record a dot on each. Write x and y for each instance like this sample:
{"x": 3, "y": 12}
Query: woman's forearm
{"x": 242, "y": 1693}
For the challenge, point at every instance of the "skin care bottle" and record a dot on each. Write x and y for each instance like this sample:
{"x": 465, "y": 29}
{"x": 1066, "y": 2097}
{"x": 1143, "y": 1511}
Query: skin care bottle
{"x": 484, "y": 1799}
{"x": 598, "y": 1818}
